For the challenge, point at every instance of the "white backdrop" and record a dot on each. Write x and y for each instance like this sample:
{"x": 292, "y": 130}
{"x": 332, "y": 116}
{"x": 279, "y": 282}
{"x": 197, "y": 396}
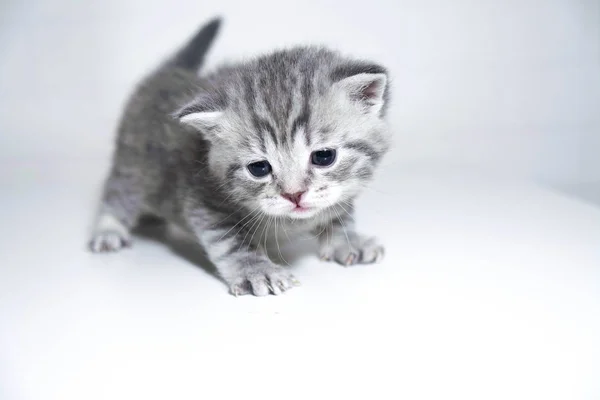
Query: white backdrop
{"x": 490, "y": 288}
{"x": 511, "y": 86}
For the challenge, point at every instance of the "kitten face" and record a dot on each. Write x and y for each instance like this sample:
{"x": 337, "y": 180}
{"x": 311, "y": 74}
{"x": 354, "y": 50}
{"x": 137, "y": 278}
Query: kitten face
{"x": 295, "y": 139}
{"x": 295, "y": 186}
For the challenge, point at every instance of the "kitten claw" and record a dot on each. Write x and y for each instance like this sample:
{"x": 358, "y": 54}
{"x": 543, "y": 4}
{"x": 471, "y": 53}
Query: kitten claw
{"x": 264, "y": 280}
{"x": 108, "y": 241}
{"x": 351, "y": 258}
{"x": 279, "y": 287}
{"x": 357, "y": 250}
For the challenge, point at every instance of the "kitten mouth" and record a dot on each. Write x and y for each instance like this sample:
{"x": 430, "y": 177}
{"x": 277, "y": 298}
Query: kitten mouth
{"x": 302, "y": 212}
{"x": 300, "y": 209}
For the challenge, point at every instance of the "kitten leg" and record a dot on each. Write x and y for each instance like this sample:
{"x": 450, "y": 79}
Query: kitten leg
{"x": 109, "y": 234}
{"x": 340, "y": 243}
{"x": 244, "y": 267}
{"x": 120, "y": 209}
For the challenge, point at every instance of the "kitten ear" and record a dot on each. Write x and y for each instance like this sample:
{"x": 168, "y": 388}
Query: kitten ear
{"x": 365, "y": 84}
{"x": 199, "y": 117}
{"x": 202, "y": 120}
{"x": 203, "y": 113}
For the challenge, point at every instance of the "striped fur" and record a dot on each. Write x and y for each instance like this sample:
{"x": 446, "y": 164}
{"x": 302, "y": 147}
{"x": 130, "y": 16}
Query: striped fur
{"x": 184, "y": 144}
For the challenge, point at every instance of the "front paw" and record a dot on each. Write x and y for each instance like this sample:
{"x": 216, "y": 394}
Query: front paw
{"x": 352, "y": 250}
{"x": 108, "y": 241}
{"x": 262, "y": 279}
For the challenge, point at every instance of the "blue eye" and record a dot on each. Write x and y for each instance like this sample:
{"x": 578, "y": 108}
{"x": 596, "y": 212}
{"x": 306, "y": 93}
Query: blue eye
{"x": 260, "y": 168}
{"x": 323, "y": 158}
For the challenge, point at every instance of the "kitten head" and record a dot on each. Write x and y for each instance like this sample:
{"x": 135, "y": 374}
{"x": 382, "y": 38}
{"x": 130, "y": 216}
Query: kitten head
{"x": 295, "y": 132}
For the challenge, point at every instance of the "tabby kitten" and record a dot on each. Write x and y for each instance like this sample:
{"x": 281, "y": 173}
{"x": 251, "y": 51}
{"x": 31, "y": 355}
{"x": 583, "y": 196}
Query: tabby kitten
{"x": 279, "y": 144}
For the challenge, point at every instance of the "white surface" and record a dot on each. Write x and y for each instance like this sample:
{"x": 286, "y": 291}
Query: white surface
{"x": 490, "y": 290}
{"x": 510, "y": 86}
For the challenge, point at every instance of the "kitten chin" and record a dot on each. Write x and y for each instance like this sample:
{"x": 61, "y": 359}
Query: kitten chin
{"x": 220, "y": 153}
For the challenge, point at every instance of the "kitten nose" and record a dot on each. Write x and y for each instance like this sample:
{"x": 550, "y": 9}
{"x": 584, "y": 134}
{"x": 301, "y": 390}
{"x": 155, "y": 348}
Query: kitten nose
{"x": 293, "y": 197}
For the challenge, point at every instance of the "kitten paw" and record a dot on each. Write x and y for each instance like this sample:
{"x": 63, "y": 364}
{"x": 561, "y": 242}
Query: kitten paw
{"x": 263, "y": 280}
{"x": 108, "y": 241}
{"x": 109, "y": 235}
{"x": 352, "y": 251}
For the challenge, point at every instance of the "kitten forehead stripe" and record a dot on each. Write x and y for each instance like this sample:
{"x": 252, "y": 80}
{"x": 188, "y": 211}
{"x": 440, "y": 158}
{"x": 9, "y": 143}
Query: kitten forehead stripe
{"x": 259, "y": 124}
{"x": 301, "y": 122}
{"x": 262, "y": 125}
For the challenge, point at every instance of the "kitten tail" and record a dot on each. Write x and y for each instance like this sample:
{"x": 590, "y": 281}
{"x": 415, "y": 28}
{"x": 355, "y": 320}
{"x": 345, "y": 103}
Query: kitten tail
{"x": 191, "y": 56}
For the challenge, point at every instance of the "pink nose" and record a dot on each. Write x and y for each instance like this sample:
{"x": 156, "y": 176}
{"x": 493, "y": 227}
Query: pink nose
{"x": 293, "y": 197}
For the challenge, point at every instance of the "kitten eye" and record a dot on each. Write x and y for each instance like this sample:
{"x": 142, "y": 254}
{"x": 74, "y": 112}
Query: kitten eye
{"x": 260, "y": 168}
{"x": 323, "y": 158}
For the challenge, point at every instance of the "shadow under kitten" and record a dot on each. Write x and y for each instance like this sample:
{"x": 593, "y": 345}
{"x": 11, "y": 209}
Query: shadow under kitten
{"x": 286, "y": 252}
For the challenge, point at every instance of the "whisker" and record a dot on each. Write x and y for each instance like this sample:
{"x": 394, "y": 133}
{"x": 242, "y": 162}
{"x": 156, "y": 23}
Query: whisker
{"x": 344, "y": 209}
{"x": 329, "y": 231}
{"x": 258, "y": 246}
{"x": 227, "y": 217}
{"x": 267, "y": 231}
{"x": 264, "y": 232}
{"x": 204, "y": 168}
{"x": 343, "y": 228}
{"x": 277, "y": 242}
{"x": 286, "y": 232}
{"x": 230, "y": 229}
{"x": 310, "y": 237}
{"x": 365, "y": 186}
{"x": 259, "y": 221}
{"x": 342, "y": 225}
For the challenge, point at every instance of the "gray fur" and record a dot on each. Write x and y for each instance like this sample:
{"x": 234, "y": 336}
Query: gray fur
{"x": 184, "y": 143}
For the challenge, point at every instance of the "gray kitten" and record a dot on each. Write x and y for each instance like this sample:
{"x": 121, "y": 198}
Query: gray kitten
{"x": 279, "y": 144}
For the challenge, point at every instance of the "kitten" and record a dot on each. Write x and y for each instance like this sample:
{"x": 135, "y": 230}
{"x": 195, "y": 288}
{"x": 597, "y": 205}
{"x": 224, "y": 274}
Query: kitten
{"x": 281, "y": 143}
